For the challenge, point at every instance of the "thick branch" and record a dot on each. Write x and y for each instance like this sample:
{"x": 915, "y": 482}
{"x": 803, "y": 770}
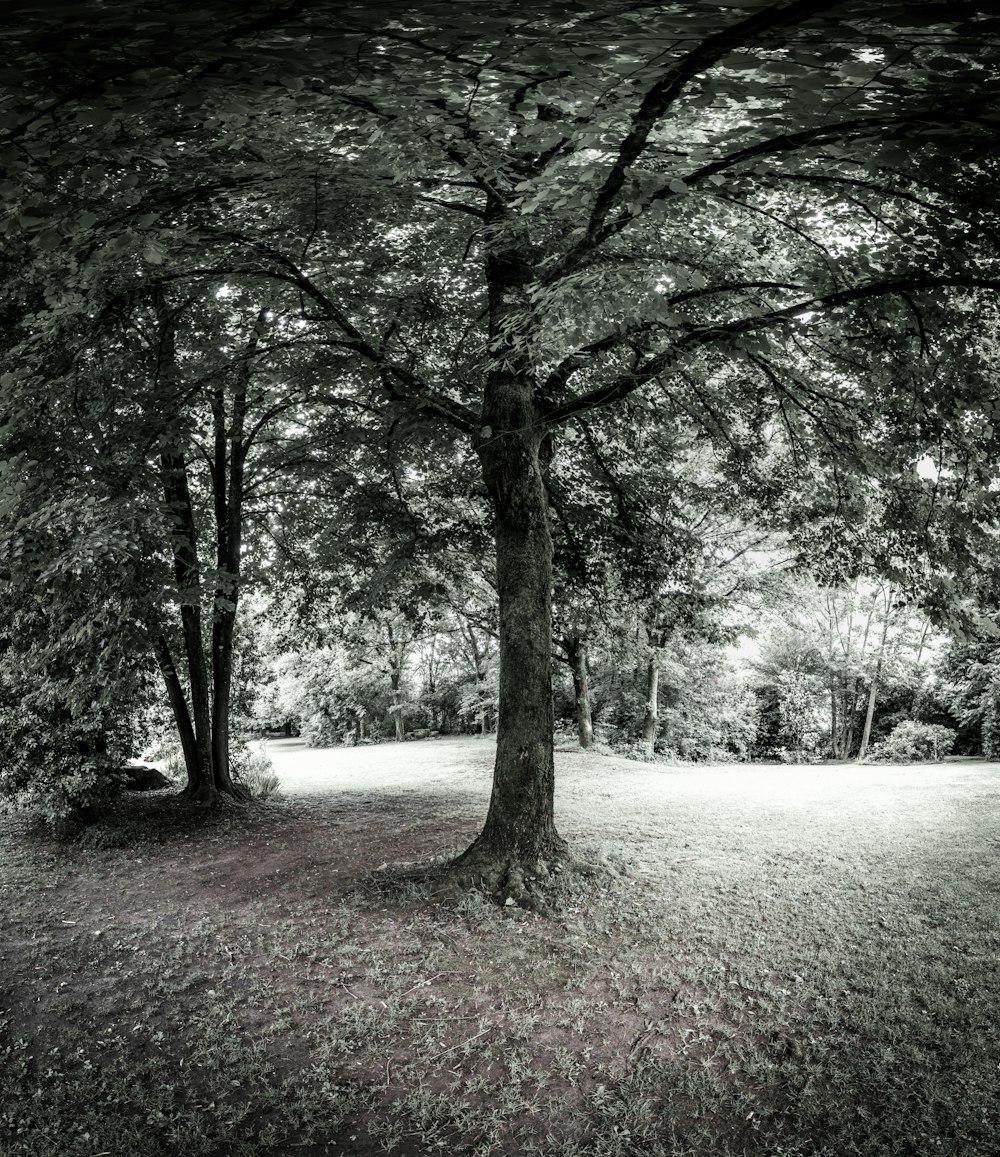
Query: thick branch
{"x": 658, "y": 101}
{"x": 698, "y": 338}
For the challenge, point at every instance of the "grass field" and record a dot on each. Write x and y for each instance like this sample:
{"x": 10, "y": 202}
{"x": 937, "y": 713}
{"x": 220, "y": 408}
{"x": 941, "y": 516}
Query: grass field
{"x": 782, "y": 962}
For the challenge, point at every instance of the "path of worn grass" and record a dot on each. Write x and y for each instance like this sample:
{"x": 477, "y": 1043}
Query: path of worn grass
{"x": 790, "y": 962}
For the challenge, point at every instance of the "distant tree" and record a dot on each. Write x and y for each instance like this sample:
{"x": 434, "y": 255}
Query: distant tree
{"x": 842, "y": 646}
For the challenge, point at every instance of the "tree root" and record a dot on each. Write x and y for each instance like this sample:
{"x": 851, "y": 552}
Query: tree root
{"x": 536, "y": 884}
{"x": 206, "y": 795}
{"x": 543, "y": 885}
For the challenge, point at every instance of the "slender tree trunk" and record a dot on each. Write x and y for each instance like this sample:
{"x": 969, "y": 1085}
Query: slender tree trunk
{"x": 397, "y": 714}
{"x": 184, "y": 548}
{"x": 651, "y": 720}
{"x": 183, "y": 538}
{"x": 991, "y": 722}
{"x": 430, "y": 683}
{"x": 179, "y": 708}
{"x": 873, "y": 689}
{"x": 224, "y": 608}
{"x": 479, "y": 666}
{"x": 869, "y": 716}
{"x": 576, "y": 651}
{"x": 923, "y": 640}
{"x": 228, "y": 501}
{"x": 395, "y": 676}
{"x": 834, "y": 749}
{"x": 846, "y": 700}
{"x": 187, "y": 576}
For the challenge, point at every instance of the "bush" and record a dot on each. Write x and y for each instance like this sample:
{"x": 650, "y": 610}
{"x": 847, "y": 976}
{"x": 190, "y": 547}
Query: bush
{"x": 913, "y": 742}
{"x": 252, "y": 769}
{"x": 63, "y": 770}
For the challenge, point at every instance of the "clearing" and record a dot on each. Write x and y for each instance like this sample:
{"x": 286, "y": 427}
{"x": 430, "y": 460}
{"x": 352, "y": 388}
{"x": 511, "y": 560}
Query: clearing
{"x": 784, "y": 962}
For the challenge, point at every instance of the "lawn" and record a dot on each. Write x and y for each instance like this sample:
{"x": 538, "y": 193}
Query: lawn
{"x": 783, "y": 962}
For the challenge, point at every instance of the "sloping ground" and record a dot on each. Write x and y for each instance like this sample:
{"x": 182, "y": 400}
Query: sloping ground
{"x": 784, "y": 961}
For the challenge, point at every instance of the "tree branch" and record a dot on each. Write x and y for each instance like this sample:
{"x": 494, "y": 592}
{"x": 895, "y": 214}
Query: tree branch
{"x": 697, "y": 338}
{"x": 659, "y": 99}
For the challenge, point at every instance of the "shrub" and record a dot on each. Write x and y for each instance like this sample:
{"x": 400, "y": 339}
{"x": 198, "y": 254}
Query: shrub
{"x": 63, "y": 770}
{"x": 913, "y": 742}
{"x": 252, "y": 769}
{"x": 75, "y": 666}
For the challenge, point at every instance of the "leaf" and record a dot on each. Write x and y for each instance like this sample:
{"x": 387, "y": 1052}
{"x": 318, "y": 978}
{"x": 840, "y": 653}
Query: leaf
{"x": 93, "y": 116}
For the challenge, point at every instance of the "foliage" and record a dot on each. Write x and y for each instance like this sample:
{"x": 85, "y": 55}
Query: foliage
{"x": 967, "y": 676}
{"x": 707, "y": 711}
{"x": 254, "y": 772}
{"x": 65, "y": 737}
{"x": 802, "y": 727}
{"x": 822, "y": 650}
{"x": 74, "y": 668}
{"x": 495, "y": 241}
{"x": 325, "y": 698}
{"x": 913, "y": 742}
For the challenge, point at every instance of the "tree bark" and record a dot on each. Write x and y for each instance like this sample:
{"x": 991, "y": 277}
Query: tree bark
{"x": 210, "y": 698}
{"x": 179, "y": 708}
{"x": 228, "y": 502}
{"x": 651, "y": 720}
{"x": 478, "y": 656}
{"x": 395, "y": 678}
{"x": 873, "y": 689}
{"x": 519, "y": 838}
{"x": 575, "y": 647}
{"x": 184, "y": 549}
{"x": 519, "y": 835}
{"x": 187, "y": 575}
{"x": 833, "y": 722}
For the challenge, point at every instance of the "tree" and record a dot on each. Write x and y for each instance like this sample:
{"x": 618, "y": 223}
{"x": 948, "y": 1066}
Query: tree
{"x": 189, "y": 407}
{"x": 691, "y": 217}
{"x": 835, "y": 651}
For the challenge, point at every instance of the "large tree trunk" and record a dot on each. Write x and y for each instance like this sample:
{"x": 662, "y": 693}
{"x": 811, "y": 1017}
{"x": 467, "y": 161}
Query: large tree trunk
{"x": 575, "y": 647}
{"x": 651, "y": 720}
{"x": 519, "y": 838}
